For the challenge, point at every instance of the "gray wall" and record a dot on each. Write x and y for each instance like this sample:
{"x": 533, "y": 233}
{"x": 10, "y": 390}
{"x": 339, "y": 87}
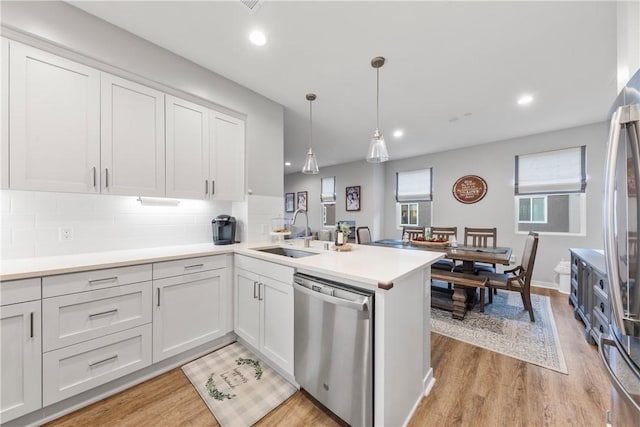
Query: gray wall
{"x": 368, "y": 176}
{"x": 495, "y": 163}
{"x": 132, "y": 57}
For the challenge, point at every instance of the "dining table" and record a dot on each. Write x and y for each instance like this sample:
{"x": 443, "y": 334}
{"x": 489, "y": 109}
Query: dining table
{"x": 468, "y": 255}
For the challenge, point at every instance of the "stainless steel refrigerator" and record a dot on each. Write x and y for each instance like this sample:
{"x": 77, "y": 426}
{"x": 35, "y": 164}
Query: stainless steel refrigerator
{"x": 620, "y": 350}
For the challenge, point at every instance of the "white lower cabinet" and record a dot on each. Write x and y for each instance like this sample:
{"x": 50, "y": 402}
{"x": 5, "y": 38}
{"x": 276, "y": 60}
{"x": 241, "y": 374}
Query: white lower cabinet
{"x": 77, "y": 368}
{"x": 189, "y": 309}
{"x": 264, "y": 309}
{"x": 21, "y": 369}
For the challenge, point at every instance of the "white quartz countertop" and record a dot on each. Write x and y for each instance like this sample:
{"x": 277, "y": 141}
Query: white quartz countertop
{"x": 373, "y": 265}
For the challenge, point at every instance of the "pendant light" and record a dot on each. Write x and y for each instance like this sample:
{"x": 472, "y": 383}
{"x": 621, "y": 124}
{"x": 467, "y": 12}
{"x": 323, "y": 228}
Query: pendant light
{"x": 377, "y": 148}
{"x": 310, "y": 165}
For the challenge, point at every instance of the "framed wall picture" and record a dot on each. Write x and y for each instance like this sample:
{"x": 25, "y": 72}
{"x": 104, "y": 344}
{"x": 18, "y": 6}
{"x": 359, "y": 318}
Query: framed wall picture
{"x": 302, "y": 200}
{"x": 289, "y": 202}
{"x": 353, "y": 198}
{"x": 469, "y": 189}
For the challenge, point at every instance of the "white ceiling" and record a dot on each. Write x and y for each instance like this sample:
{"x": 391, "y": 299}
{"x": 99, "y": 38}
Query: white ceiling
{"x": 444, "y": 61}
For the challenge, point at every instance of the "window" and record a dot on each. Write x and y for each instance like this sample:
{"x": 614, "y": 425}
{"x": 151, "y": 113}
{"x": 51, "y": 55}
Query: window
{"x": 328, "y": 201}
{"x": 408, "y": 214}
{"x": 328, "y": 214}
{"x": 413, "y": 194}
{"x": 532, "y": 209}
{"x": 550, "y": 191}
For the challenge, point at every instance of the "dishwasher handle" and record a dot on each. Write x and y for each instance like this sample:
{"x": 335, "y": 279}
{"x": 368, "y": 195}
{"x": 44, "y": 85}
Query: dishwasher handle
{"x": 354, "y": 305}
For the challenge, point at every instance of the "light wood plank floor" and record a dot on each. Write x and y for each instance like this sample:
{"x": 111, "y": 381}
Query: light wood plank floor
{"x": 474, "y": 387}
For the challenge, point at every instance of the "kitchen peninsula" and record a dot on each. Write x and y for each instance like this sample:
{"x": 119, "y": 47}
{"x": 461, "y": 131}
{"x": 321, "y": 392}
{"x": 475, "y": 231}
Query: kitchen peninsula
{"x": 403, "y": 372}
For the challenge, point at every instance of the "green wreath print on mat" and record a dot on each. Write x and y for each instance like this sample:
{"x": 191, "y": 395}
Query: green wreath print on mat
{"x": 256, "y": 365}
{"x": 214, "y": 392}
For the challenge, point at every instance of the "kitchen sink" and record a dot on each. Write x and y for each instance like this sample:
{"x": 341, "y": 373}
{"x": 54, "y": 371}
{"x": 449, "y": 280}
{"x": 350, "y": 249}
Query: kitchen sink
{"x": 288, "y": 252}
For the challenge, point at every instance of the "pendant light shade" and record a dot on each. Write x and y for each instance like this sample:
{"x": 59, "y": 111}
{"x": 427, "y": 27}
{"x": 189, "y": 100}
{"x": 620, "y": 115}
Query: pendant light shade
{"x": 377, "y": 147}
{"x": 310, "y": 164}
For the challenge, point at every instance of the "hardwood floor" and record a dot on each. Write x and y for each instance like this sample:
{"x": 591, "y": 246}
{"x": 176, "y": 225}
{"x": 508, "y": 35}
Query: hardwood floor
{"x": 474, "y": 387}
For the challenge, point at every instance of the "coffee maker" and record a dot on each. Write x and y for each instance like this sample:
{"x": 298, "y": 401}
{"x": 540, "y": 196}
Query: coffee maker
{"x": 224, "y": 230}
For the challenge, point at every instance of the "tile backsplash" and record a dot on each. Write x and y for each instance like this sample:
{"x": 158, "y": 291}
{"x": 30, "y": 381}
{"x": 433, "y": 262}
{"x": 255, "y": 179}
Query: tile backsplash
{"x": 32, "y": 222}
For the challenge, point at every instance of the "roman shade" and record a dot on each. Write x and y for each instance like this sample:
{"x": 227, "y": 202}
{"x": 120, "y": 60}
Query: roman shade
{"x": 414, "y": 186}
{"x": 551, "y": 172}
{"x": 328, "y": 189}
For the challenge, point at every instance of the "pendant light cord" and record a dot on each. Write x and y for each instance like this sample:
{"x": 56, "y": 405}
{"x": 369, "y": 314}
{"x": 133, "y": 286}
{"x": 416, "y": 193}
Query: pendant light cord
{"x": 378, "y": 98}
{"x": 310, "y": 123}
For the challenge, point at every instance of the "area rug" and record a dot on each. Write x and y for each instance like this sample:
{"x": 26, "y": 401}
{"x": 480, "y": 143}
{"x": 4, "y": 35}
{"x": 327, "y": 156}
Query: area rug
{"x": 505, "y": 328}
{"x": 237, "y": 387}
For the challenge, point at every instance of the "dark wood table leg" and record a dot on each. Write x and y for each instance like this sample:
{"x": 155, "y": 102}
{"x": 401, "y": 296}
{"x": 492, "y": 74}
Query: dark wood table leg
{"x": 459, "y": 302}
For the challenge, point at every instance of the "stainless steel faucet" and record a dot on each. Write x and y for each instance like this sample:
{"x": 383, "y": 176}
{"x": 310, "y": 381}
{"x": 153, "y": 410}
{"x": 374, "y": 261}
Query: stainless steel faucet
{"x": 306, "y": 227}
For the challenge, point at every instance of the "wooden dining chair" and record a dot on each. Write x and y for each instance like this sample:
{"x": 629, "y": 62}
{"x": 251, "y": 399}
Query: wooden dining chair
{"x": 363, "y": 234}
{"x": 481, "y": 238}
{"x": 444, "y": 233}
{"x": 413, "y": 232}
{"x": 517, "y": 279}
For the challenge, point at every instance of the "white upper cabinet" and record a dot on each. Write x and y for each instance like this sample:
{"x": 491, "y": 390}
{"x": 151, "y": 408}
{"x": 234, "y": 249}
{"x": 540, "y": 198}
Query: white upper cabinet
{"x": 187, "y": 131}
{"x": 4, "y": 114}
{"x": 54, "y": 125}
{"x": 132, "y": 130}
{"x": 226, "y": 157}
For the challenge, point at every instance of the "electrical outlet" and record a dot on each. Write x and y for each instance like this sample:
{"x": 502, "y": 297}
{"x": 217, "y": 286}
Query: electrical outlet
{"x": 65, "y": 233}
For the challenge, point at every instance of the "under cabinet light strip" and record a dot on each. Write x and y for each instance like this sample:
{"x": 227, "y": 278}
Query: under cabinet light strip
{"x": 157, "y": 201}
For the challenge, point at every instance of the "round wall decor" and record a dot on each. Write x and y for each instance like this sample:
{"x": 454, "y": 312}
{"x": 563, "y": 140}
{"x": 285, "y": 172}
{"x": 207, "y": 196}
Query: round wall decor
{"x": 469, "y": 189}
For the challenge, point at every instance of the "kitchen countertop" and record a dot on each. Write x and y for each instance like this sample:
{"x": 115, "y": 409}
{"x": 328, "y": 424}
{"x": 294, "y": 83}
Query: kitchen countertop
{"x": 378, "y": 266}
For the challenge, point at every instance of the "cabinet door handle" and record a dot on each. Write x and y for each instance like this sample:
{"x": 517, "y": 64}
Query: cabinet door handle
{"x": 260, "y": 286}
{"x": 188, "y": 267}
{"x": 31, "y": 325}
{"x": 94, "y": 177}
{"x": 99, "y": 362}
{"x": 102, "y": 313}
{"x": 254, "y": 289}
{"x": 213, "y": 187}
{"x": 602, "y": 307}
{"x": 206, "y": 187}
{"x": 106, "y": 178}
{"x": 101, "y": 281}
{"x": 158, "y": 297}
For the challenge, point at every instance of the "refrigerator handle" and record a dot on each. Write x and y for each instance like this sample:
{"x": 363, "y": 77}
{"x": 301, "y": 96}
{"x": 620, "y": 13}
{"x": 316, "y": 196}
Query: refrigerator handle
{"x": 606, "y": 342}
{"x": 610, "y": 247}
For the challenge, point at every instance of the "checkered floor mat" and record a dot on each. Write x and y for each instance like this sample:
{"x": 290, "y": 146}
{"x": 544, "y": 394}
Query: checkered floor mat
{"x": 236, "y": 386}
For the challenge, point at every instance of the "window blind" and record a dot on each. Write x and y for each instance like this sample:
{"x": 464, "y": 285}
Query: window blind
{"x": 413, "y": 186}
{"x": 552, "y": 172}
{"x": 328, "y": 189}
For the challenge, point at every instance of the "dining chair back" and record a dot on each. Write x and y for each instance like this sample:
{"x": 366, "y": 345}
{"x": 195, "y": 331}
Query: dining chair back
{"x": 444, "y": 232}
{"x": 413, "y": 232}
{"x": 518, "y": 279}
{"x": 363, "y": 235}
{"x": 480, "y": 237}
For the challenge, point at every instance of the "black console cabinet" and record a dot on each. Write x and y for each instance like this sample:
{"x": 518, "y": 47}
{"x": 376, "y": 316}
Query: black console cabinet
{"x": 590, "y": 292}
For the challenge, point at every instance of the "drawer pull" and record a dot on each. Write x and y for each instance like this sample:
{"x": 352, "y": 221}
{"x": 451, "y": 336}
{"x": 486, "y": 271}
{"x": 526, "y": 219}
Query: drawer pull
{"x": 108, "y": 359}
{"x": 254, "y": 290}
{"x": 158, "y": 297}
{"x": 189, "y": 267}
{"x": 102, "y": 313}
{"x": 601, "y": 329}
{"x": 260, "y": 285}
{"x": 101, "y": 281}
{"x": 602, "y": 307}
{"x": 601, "y": 284}
{"x": 31, "y": 325}
{"x": 206, "y": 187}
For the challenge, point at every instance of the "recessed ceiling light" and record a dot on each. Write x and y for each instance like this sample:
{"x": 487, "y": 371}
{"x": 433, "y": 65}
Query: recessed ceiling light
{"x": 258, "y": 38}
{"x": 287, "y": 163}
{"x": 525, "y": 99}
{"x": 398, "y": 133}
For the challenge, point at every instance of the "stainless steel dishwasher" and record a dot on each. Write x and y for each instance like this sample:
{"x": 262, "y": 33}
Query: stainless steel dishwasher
{"x": 333, "y": 347}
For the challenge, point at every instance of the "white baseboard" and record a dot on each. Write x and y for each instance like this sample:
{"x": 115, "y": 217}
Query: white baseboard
{"x": 545, "y": 285}
{"x": 428, "y": 382}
